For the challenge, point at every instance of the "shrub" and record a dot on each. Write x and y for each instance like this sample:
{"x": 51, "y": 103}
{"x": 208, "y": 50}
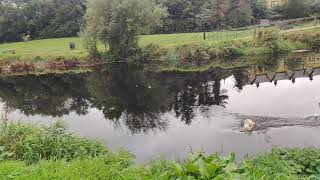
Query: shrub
{"x": 230, "y": 52}
{"x": 192, "y": 53}
{"x": 269, "y": 38}
{"x": 153, "y": 52}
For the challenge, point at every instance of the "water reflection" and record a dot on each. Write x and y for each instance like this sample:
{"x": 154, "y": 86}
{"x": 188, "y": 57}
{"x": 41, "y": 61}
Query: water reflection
{"x": 137, "y": 99}
{"x": 126, "y": 92}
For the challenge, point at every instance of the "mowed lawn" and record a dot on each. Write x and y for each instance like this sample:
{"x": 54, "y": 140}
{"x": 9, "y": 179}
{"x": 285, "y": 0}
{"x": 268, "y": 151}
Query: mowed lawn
{"x": 60, "y": 46}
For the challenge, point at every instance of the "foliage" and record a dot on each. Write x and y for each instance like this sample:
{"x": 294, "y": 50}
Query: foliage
{"x": 12, "y": 23}
{"x": 219, "y": 10}
{"x": 117, "y": 24}
{"x": 268, "y": 38}
{"x": 30, "y": 151}
{"x": 40, "y": 19}
{"x": 204, "y": 167}
{"x": 240, "y": 13}
{"x": 116, "y": 166}
{"x": 192, "y": 53}
{"x": 297, "y": 9}
{"x": 41, "y": 51}
{"x": 284, "y": 164}
{"x": 33, "y": 143}
{"x": 260, "y": 9}
{"x": 153, "y": 52}
{"x": 311, "y": 38}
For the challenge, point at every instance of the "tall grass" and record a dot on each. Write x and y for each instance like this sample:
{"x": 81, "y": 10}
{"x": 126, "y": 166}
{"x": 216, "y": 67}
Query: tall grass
{"x": 309, "y": 37}
{"x": 32, "y": 143}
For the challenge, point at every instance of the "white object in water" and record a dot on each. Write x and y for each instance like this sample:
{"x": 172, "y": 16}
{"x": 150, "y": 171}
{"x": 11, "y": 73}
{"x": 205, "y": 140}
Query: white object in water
{"x": 248, "y": 125}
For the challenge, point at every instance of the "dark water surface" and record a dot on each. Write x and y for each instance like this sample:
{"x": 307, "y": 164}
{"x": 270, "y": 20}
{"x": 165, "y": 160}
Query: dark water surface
{"x": 169, "y": 113}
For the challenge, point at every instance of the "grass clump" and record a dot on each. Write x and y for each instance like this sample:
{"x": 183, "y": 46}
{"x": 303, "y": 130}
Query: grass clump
{"x": 32, "y": 143}
{"x": 309, "y": 37}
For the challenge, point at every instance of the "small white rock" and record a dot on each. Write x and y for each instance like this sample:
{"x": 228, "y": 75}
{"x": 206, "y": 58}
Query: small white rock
{"x": 248, "y": 125}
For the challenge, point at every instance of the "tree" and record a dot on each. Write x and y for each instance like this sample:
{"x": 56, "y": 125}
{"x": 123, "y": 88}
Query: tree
{"x": 12, "y": 23}
{"x": 259, "y": 9}
{"x": 240, "y": 13}
{"x": 54, "y": 18}
{"x": 218, "y": 11}
{"x": 297, "y": 9}
{"x": 117, "y": 23}
{"x": 40, "y": 18}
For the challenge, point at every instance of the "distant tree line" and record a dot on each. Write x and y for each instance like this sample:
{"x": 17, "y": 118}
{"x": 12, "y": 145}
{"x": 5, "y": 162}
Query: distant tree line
{"x": 38, "y": 19}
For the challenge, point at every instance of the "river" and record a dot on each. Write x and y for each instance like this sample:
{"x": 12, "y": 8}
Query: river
{"x": 171, "y": 114}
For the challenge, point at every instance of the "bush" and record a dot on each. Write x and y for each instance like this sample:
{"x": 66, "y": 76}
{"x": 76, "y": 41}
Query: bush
{"x": 153, "y": 52}
{"x": 192, "y": 53}
{"x": 269, "y": 38}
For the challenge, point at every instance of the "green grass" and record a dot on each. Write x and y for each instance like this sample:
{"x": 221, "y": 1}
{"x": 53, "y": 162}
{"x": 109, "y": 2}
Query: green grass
{"x": 31, "y": 151}
{"x": 32, "y": 143}
{"x": 60, "y": 47}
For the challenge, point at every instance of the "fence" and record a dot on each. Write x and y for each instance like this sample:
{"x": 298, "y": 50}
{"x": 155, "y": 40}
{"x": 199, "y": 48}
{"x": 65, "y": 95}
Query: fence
{"x": 230, "y": 34}
{"x": 247, "y": 32}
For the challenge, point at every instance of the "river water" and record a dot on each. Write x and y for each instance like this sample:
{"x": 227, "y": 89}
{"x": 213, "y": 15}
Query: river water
{"x": 173, "y": 113}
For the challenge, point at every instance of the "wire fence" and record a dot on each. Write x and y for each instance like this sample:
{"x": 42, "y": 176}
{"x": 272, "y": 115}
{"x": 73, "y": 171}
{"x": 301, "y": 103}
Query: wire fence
{"x": 249, "y": 31}
{"x": 229, "y": 34}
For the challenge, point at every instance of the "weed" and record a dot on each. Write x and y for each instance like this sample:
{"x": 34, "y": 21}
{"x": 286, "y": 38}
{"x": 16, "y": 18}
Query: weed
{"x": 33, "y": 143}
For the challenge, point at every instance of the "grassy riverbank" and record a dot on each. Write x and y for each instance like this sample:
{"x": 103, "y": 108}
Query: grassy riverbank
{"x": 35, "y": 152}
{"x": 173, "y": 51}
{"x": 43, "y": 49}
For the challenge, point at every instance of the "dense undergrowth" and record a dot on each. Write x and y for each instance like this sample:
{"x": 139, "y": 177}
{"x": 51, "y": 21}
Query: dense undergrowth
{"x": 29, "y": 151}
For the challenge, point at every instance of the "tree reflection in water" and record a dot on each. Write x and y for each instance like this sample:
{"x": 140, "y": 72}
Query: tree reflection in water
{"x": 48, "y": 95}
{"x": 203, "y": 90}
{"x": 126, "y": 94}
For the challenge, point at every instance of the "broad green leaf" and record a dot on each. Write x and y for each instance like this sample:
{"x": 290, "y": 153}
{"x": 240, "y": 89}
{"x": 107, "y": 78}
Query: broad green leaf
{"x": 309, "y": 170}
{"x": 212, "y": 168}
{"x": 203, "y": 169}
{"x": 231, "y": 167}
{"x": 177, "y": 169}
{"x": 191, "y": 168}
{"x": 191, "y": 178}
